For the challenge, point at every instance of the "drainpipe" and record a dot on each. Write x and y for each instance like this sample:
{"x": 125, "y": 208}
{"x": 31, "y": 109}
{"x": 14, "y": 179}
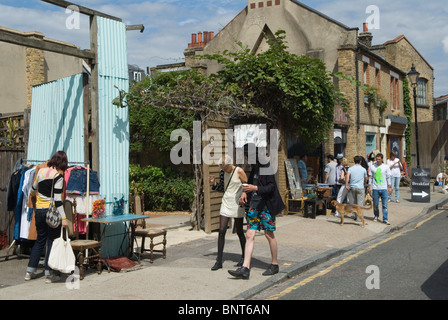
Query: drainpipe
{"x": 358, "y": 120}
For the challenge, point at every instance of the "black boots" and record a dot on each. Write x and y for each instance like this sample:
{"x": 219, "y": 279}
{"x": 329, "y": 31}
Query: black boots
{"x": 218, "y": 265}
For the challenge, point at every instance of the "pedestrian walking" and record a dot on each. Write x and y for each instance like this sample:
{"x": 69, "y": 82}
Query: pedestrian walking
{"x": 265, "y": 203}
{"x": 330, "y": 173}
{"x": 355, "y": 181}
{"x": 47, "y": 180}
{"x": 343, "y": 192}
{"x": 339, "y": 168}
{"x": 230, "y": 182}
{"x": 395, "y": 167}
{"x": 380, "y": 185}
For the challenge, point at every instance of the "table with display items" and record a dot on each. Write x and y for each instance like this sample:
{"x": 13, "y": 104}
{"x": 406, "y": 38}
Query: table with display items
{"x": 127, "y": 219}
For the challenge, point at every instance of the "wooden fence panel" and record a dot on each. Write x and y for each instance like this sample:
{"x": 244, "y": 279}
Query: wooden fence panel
{"x": 13, "y": 142}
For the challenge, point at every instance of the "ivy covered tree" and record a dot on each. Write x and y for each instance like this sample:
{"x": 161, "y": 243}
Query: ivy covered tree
{"x": 295, "y": 92}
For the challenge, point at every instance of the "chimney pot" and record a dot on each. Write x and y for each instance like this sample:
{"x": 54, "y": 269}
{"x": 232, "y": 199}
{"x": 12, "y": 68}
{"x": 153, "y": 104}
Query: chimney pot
{"x": 365, "y": 27}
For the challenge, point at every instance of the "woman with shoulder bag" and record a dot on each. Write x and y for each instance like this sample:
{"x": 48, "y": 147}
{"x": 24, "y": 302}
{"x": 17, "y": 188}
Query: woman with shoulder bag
{"x": 47, "y": 187}
{"x": 231, "y": 180}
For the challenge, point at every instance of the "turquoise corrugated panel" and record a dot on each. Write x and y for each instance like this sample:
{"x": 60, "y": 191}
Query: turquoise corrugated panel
{"x": 112, "y": 49}
{"x": 113, "y": 125}
{"x": 57, "y": 121}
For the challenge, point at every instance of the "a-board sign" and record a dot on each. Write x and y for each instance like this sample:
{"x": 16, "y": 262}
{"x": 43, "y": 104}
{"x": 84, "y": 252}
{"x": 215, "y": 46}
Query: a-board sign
{"x": 420, "y": 185}
{"x": 292, "y": 173}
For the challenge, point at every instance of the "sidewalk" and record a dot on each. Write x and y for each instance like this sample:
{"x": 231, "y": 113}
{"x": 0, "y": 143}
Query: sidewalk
{"x": 185, "y": 274}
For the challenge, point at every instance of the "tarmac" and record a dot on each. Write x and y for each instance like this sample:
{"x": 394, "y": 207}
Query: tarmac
{"x": 185, "y": 273}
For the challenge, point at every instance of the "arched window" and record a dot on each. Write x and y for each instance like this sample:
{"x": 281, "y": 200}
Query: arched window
{"x": 422, "y": 92}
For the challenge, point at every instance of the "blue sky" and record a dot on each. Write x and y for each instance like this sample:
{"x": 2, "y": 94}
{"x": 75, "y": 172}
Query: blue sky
{"x": 170, "y": 23}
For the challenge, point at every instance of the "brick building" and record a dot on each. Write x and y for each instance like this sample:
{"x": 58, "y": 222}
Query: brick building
{"x": 24, "y": 67}
{"x": 375, "y": 124}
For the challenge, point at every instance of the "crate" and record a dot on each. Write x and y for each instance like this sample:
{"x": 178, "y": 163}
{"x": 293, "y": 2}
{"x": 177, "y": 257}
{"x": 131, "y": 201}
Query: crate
{"x": 324, "y": 192}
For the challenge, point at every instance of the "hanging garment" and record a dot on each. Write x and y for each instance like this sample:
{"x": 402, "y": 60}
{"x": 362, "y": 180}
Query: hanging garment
{"x": 26, "y": 212}
{"x": 18, "y": 208}
{"x": 77, "y": 182}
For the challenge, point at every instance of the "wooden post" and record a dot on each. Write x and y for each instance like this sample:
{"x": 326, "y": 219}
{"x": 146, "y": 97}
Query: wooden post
{"x": 86, "y": 105}
{"x": 94, "y": 135}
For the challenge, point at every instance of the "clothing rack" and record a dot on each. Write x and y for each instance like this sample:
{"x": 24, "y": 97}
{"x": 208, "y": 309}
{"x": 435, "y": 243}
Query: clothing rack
{"x": 87, "y": 193}
{"x": 70, "y": 163}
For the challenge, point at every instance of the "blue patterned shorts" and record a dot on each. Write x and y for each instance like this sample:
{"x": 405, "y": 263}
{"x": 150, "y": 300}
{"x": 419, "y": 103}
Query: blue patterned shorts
{"x": 260, "y": 220}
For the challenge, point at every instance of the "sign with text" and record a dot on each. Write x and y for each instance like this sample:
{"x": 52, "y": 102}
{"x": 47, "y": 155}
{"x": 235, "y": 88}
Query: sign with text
{"x": 420, "y": 185}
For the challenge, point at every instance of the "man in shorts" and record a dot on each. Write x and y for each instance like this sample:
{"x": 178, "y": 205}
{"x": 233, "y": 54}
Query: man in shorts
{"x": 265, "y": 203}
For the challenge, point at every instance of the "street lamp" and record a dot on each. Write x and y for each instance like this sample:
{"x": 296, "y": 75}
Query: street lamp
{"x": 413, "y": 78}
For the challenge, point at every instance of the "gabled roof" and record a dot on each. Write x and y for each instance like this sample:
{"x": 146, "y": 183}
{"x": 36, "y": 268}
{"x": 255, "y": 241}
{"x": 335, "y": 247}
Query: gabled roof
{"x": 381, "y": 59}
{"x": 442, "y": 99}
{"x": 323, "y": 15}
{"x": 401, "y": 37}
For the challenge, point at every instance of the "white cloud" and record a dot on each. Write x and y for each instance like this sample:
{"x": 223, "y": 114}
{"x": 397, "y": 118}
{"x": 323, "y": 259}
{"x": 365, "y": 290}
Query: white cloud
{"x": 170, "y": 23}
{"x": 445, "y": 45}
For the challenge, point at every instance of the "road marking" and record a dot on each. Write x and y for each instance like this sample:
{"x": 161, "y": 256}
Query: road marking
{"x": 343, "y": 261}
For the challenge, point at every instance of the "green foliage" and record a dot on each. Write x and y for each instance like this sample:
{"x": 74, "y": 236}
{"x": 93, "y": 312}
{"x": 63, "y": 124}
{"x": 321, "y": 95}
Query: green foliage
{"x": 408, "y": 114}
{"x": 150, "y": 122}
{"x": 294, "y": 91}
{"x": 373, "y": 97}
{"x": 163, "y": 189}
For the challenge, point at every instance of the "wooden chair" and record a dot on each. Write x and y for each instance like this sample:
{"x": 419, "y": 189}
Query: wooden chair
{"x": 137, "y": 202}
{"x": 289, "y": 199}
{"x": 92, "y": 247}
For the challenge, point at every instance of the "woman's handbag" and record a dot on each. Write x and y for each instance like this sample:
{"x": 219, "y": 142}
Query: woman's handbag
{"x": 53, "y": 217}
{"x": 61, "y": 256}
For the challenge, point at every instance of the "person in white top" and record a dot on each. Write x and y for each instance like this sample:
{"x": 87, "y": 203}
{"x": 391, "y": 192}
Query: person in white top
{"x": 395, "y": 167}
{"x": 231, "y": 183}
{"x": 441, "y": 179}
{"x": 380, "y": 186}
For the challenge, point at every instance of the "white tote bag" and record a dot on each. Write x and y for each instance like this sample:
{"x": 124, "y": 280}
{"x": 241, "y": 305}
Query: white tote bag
{"x": 61, "y": 256}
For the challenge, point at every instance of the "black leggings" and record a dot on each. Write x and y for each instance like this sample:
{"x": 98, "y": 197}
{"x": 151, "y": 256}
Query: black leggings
{"x": 223, "y": 224}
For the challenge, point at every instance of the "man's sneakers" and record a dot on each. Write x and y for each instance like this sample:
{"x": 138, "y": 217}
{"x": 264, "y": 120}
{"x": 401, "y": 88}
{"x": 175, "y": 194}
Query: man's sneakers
{"x": 29, "y": 276}
{"x": 240, "y": 273}
{"x": 244, "y": 273}
{"x": 273, "y": 269}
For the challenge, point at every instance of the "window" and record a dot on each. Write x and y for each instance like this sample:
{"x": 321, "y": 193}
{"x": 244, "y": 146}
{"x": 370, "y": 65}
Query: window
{"x": 340, "y": 140}
{"x": 366, "y": 73}
{"x": 394, "y": 93}
{"x": 137, "y": 76}
{"x": 370, "y": 142}
{"x": 422, "y": 89}
{"x": 378, "y": 78}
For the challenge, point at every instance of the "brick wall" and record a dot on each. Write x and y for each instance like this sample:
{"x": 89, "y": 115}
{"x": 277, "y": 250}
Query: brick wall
{"x": 35, "y": 71}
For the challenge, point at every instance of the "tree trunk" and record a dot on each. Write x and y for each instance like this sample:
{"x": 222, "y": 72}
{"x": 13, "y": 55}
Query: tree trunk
{"x": 197, "y": 208}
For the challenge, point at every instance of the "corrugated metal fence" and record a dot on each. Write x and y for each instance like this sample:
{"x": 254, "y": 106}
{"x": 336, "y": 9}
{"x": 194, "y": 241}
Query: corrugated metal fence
{"x": 57, "y": 121}
{"x": 113, "y": 124}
